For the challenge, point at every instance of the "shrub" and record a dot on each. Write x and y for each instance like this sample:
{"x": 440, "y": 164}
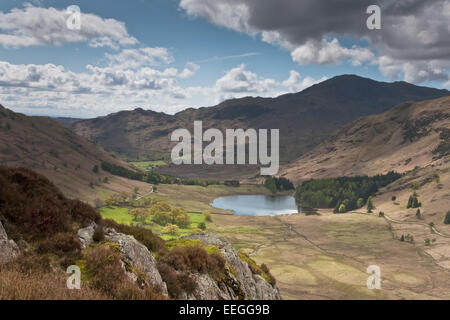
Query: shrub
{"x": 342, "y": 208}
{"x": 104, "y": 269}
{"x": 95, "y": 169}
{"x": 202, "y": 226}
{"x": 208, "y": 216}
{"x": 60, "y": 244}
{"x": 177, "y": 283}
{"x": 99, "y": 234}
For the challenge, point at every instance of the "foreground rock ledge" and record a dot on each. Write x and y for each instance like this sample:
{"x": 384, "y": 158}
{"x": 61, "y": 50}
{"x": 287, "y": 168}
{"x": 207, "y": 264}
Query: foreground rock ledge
{"x": 241, "y": 283}
{"x": 8, "y": 248}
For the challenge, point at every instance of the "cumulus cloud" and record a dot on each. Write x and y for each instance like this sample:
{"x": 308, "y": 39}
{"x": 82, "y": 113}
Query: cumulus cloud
{"x": 36, "y": 26}
{"x": 240, "y": 80}
{"x": 98, "y": 90}
{"x": 415, "y": 33}
{"x": 330, "y": 52}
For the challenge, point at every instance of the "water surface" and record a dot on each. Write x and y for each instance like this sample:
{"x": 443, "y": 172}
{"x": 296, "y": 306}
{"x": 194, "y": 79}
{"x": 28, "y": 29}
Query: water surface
{"x": 257, "y": 205}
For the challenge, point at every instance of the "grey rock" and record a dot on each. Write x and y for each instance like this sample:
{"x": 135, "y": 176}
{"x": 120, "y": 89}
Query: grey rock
{"x": 138, "y": 256}
{"x": 252, "y": 287}
{"x": 8, "y": 248}
{"x": 86, "y": 235}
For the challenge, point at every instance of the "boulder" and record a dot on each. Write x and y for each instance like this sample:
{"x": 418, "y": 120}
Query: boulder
{"x": 86, "y": 235}
{"x": 8, "y": 248}
{"x": 137, "y": 256}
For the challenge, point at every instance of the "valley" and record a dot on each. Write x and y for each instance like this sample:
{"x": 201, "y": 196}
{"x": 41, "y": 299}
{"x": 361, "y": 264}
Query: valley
{"x": 319, "y": 254}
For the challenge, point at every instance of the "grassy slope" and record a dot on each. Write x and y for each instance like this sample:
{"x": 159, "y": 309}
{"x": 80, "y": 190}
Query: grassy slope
{"x": 45, "y": 146}
{"x": 375, "y": 144}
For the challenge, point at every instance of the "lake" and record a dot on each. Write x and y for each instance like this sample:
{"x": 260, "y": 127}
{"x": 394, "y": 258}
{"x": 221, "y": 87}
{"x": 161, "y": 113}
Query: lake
{"x": 257, "y": 205}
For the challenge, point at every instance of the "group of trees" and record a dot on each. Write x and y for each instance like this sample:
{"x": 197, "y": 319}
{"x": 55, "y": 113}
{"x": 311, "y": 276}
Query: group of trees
{"x": 343, "y": 194}
{"x": 278, "y": 184}
{"x": 163, "y": 214}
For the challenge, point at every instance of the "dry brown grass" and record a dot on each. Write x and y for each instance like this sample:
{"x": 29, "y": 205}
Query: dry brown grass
{"x": 37, "y": 285}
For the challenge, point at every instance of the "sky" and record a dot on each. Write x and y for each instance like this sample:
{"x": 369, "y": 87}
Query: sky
{"x": 169, "y": 55}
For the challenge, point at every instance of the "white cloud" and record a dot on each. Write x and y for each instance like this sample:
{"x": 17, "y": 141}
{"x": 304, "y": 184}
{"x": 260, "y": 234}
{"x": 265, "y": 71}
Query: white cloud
{"x": 100, "y": 90}
{"x": 295, "y": 84}
{"x": 240, "y": 80}
{"x": 36, "y": 26}
{"x": 330, "y": 52}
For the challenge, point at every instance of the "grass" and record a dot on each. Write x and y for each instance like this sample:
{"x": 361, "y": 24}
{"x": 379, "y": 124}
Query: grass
{"x": 143, "y": 165}
{"x": 117, "y": 214}
{"x": 121, "y": 215}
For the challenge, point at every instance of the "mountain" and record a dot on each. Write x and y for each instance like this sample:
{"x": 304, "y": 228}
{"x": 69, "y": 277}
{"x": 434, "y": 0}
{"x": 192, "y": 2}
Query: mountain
{"x": 408, "y": 136}
{"x": 305, "y": 119}
{"x": 47, "y": 147}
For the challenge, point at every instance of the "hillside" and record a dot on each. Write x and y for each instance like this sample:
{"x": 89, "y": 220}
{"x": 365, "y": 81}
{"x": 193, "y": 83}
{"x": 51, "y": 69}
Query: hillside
{"x": 46, "y": 146}
{"x": 305, "y": 119}
{"x": 407, "y": 136}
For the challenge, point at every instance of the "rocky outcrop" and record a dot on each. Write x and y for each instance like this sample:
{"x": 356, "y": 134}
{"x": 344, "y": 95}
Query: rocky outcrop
{"x": 86, "y": 235}
{"x": 241, "y": 282}
{"x": 134, "y": 254}
{"x": 8, "y": 248}
{"x": 238, "y": 283}
{"x": 138, "y": 257}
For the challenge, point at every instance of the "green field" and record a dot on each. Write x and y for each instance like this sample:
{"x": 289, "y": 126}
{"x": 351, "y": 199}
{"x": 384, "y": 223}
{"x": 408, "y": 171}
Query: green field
{"x": 143, "y": 165}
{"x": 121, "y": 215}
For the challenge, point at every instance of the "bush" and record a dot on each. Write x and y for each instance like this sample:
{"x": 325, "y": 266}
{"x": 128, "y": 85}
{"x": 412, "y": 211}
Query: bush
{"x": 208, "y": 216}
{"x": 104, "y": 269}
{"x": 202, "y": 226}
{"x": 177, "y": 283}
{"x": 95, "y": 169}
{"x": 99, "y": 234}
{"x": 194, "y": 259}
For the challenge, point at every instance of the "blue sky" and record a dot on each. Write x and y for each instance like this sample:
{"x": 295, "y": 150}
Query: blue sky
{"x": 202, "y": 56}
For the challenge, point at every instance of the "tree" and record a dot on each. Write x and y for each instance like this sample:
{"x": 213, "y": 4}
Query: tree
{"x": 271, "y": 185}
{"x": 161, "y": 213}
{"x": 360, "y": 203}
{"x": 413, "y": 202}
{"x": 202, "y": 226}
{"x": 171, "y": 229}
{"x": 418, "y": 214}
{"x": 182, "y": 219}
{"x": 123, "y": 197}
{"x": 139, "y": 215}
{"x": 447, "y": 218}
{"x": 370, "y": 205}
{"x": 110, "y": 201}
